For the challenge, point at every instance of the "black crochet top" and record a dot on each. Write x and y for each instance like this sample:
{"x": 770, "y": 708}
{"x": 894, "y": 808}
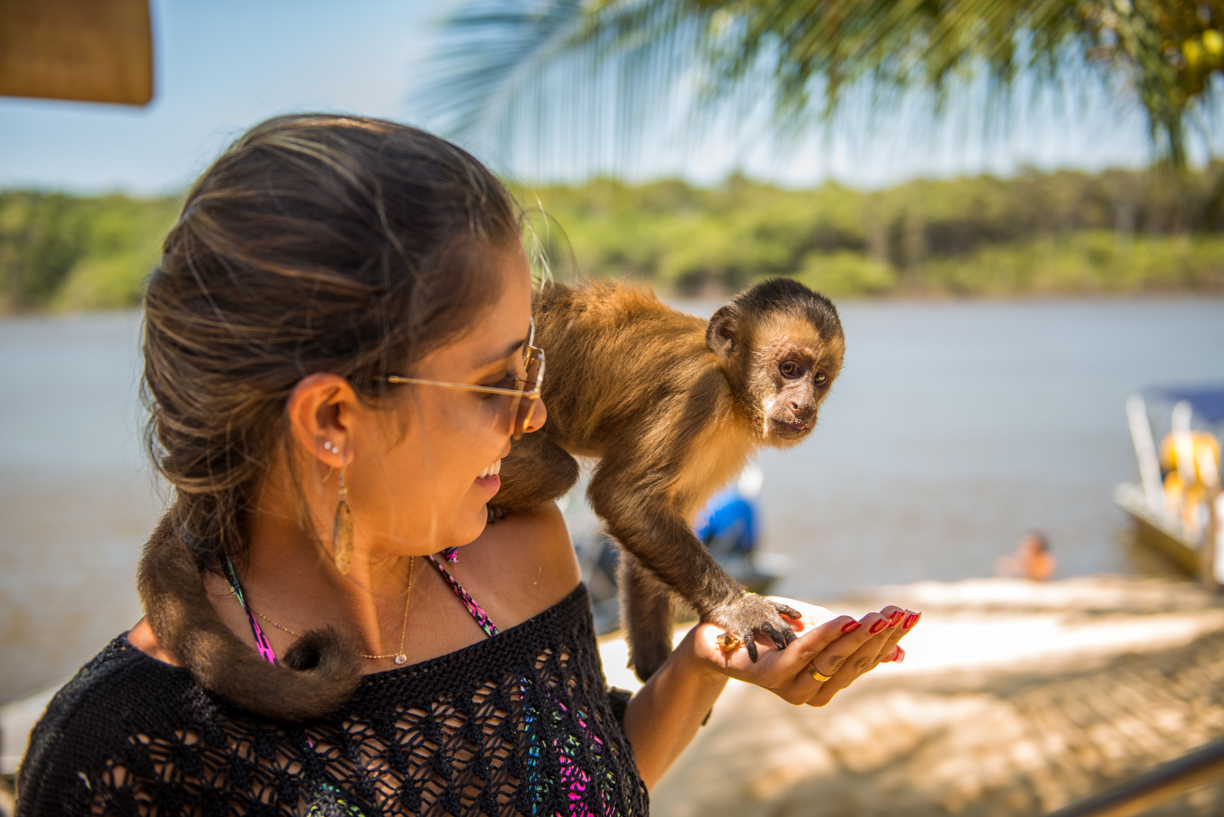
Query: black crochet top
{"x": 521, "y": 723}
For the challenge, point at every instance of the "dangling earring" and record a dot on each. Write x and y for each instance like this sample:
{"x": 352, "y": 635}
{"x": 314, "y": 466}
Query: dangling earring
{"x": 342, "y": 530}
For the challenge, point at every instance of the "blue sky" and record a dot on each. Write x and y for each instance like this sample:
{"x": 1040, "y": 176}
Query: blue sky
{"x": 222, "y": 66}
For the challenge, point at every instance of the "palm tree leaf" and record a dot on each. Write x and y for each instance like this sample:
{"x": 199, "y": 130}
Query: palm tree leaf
{"x": 536, "y": 75}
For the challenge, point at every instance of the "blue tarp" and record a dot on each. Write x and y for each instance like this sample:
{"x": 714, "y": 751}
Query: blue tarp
{"x": 1206, "y": 401}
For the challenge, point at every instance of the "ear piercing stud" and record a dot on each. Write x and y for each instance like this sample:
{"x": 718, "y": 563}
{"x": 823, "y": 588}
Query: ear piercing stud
{"x": 328, "y": 445}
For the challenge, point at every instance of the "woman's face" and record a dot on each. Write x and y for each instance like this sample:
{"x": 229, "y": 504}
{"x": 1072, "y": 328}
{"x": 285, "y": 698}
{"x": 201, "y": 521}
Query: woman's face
{"x": 427, "y": 489}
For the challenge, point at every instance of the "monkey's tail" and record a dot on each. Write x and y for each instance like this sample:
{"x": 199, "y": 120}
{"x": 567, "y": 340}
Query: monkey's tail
{"x": 319, "y": 672}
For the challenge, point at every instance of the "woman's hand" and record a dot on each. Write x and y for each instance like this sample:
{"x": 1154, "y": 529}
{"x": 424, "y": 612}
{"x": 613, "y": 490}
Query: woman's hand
{"x": 665, "y": 714}
{"x": 837, "y": 648}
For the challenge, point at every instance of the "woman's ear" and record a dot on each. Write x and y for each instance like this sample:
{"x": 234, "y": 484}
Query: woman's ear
{"x": 322, "y": 410}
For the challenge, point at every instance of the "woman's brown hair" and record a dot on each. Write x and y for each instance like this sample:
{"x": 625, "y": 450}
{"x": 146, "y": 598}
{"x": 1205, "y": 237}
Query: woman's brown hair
{"x": 314, "y": 244}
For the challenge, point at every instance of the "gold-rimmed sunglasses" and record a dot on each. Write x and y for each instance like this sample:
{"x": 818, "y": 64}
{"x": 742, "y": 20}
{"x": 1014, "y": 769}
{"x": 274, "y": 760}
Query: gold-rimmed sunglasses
{"x": 522, "y": 402}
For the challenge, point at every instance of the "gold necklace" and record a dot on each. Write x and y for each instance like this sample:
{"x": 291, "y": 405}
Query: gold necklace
{"x": 399, "y": 657}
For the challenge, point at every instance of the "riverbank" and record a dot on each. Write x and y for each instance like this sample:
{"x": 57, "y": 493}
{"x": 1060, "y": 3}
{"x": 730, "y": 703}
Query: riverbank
{"x": 1115, "y": 232}
{"x": 1016, "y": 699}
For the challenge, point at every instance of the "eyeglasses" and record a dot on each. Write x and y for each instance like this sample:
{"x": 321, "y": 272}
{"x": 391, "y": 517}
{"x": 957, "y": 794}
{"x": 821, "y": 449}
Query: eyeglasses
{"x": 522, "y": 401}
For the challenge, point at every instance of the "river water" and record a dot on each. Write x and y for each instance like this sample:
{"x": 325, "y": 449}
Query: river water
{"x": 954, "y": 427}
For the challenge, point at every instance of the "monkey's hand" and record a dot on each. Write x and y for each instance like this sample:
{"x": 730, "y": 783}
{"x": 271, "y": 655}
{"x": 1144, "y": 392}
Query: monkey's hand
{"x": 749, "y": 615}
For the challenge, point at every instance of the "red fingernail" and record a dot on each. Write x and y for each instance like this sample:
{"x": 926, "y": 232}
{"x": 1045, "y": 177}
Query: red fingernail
{"x": 851, "y": 627}
{"x": 912, "y": 620}
{"x": 879, "y": 625}
{"x": 895, "y": 618}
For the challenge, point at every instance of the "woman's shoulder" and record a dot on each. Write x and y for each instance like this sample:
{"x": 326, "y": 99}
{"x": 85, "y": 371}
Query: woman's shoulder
{"x": 542, "y": 529}
{"x": 537, "y": 544}
{"x": 92, "y": 720}
{"x": 521, "y": 565}
{"x": 118, "y": 680}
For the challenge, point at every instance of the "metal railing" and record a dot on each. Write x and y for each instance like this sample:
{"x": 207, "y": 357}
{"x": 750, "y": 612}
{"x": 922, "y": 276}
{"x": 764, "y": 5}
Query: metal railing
{"x": 1169, "y": 780}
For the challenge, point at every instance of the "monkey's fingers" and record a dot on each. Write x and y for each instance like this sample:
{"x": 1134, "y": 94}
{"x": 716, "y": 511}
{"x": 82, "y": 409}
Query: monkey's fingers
{"x": 781, "y": 636}
{"x": 750, "y": 643}
{"x": 788, "y": 611}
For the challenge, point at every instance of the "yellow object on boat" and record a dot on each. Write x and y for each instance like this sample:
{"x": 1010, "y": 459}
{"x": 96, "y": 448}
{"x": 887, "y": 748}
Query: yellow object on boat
{"x": 1203, "y": 445}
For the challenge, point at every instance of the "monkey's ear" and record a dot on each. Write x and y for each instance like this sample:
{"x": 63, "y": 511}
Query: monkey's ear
{"x": 720, "y": 334}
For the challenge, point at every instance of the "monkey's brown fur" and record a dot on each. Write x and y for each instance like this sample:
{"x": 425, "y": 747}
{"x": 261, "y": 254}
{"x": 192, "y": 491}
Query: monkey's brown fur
{"x": 672, "y": 405}
{"x": 318, "y": 673}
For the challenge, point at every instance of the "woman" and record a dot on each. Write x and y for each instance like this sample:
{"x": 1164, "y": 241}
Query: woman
{"x": 337, "y": 356}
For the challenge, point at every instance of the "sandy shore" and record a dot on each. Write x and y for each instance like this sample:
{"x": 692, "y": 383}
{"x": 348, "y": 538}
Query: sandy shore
{"x": 1016, "y": 699}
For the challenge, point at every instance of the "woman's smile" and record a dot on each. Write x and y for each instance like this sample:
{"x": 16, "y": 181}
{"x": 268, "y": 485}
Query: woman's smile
{"x": 489, "y": 479}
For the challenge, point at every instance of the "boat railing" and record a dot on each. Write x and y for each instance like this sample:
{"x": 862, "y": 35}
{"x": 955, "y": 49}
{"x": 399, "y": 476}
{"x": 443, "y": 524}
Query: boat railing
{"x": 1145, "y": 452}
{"x": 1197, "y": 768}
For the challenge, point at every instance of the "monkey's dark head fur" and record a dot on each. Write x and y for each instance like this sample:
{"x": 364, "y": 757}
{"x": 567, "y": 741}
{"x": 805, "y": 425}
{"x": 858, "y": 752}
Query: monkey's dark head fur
{"x": 781, "y": 346}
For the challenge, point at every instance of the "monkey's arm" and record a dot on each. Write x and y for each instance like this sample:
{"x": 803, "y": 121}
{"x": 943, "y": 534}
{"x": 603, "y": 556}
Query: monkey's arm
{"x": 663, "y": 548}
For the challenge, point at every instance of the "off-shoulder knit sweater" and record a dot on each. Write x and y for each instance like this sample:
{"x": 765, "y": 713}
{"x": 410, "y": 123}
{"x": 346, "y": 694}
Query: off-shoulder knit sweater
{"x": 521, "y": 723}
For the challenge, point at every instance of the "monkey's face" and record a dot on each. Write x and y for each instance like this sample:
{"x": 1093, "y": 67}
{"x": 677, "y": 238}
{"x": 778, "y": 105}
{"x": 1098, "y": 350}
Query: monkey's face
{"x": 789, "y": 374}
{"x": 781, "y": 346}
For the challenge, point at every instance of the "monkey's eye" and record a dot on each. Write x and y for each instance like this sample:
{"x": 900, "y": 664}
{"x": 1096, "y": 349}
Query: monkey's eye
{"x": 790, "y": 369}
{"x": 821, "y": 378}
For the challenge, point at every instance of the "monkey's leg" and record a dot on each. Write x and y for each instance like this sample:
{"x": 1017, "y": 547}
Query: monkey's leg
{"x": 535, "y": 471}
{"x": 646, "y": 612}
{"x": 660, "y": 538}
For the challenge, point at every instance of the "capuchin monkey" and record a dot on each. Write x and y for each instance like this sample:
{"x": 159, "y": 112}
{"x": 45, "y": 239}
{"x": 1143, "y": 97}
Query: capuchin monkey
{"x": 672, "y": 406}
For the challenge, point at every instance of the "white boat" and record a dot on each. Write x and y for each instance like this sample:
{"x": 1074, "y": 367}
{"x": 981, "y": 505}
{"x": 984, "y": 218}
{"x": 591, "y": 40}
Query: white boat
{"x": 1177, "y": 506}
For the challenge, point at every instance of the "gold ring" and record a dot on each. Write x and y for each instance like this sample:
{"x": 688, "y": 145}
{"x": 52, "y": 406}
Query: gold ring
{"x": 815, "y": 673}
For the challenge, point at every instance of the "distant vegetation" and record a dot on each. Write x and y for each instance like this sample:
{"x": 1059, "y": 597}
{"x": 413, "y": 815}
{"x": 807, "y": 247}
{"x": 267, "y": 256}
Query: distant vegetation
{"x": 1116, "y": 232}
{"x": 1038, "y": 233}
{"x": 68, "y": 253}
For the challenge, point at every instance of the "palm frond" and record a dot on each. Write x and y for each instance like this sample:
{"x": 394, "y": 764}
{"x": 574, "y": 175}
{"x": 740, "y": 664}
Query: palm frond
{"x": 547, "y": 81}
{"x": 555, "y": 80}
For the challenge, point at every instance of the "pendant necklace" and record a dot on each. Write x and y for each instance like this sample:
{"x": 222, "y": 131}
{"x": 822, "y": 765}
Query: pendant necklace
{"x": 400, "y": 657}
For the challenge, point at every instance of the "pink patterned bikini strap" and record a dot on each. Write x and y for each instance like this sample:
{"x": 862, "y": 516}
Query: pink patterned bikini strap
{"x": 481, "y": 617}
{"x": 265, "y": 649}
{"x": 261, "y": 640}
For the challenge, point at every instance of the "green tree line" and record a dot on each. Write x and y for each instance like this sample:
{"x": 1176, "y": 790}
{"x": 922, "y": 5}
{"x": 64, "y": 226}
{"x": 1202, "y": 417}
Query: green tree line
{"x": 1066, "y": 232}
{"x": 75, "y": 253}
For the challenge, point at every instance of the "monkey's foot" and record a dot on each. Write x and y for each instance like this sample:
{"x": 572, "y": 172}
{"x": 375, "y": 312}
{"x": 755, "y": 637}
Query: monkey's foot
{"x": 647, "y": 656}
{"x": 496, "y": 512}
{"x": 749, "y": 616}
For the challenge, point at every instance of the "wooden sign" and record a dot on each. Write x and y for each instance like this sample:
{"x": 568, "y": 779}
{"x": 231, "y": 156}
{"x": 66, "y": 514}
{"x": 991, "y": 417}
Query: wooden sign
{"x": 87, "y": 50}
